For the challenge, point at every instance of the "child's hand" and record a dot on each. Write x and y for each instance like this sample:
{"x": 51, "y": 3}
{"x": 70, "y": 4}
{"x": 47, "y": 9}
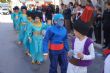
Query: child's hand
{"x": 80, "y": 55}
{"x": 46, "y": 56}
{"x": 30, "y": 40}
{"x": 69, "y": 54}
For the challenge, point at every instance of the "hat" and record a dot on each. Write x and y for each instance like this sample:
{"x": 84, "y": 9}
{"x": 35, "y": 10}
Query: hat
{"x": 81, "y": 27}
{"x": 57, "y": 17}
{"x": 83, "y": 24}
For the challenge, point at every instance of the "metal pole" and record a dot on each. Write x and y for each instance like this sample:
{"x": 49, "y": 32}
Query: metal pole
{"x": 54, "y": 3}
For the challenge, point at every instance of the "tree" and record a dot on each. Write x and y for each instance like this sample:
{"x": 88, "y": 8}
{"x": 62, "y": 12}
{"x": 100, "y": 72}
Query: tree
{"x": 4, "y": 1}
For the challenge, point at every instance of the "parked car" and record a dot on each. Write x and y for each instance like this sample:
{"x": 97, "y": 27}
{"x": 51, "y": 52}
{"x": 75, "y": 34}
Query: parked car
{"x": 5, "y": 11}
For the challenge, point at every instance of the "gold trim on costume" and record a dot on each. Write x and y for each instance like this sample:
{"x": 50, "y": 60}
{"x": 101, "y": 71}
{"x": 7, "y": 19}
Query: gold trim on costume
{"x": 37, "y": 24}
{"x": 37, "y": 33}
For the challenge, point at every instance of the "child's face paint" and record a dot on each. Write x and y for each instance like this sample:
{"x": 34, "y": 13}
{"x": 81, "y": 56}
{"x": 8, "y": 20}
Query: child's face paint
{"x": 60, "y": 22}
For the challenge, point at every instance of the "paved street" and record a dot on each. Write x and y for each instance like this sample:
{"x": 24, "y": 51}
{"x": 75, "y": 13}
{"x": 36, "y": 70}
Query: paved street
{"x": 13, "y": 59}
{"x": 5, "y": 19}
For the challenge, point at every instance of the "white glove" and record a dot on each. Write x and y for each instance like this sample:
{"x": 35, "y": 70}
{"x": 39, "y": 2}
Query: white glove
{"x": 44, "y": 32}
{"x": 30, "y": 40}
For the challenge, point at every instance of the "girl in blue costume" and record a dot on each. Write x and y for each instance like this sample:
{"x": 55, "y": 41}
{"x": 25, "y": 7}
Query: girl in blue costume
{"x": 28, "y": 34}
{"x": 12, "y": 17}
{"x": 23, "y": 23}
{"x": 16, "y": 18}
{"x": 37, "y": 38}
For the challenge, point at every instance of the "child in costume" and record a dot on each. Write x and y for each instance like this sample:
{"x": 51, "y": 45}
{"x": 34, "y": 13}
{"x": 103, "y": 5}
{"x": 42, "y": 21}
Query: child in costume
{"x": 12, "y": 17}
{"x": 107, "y": 64}
{"x": 16, "y": 18}
{"x": 37, "y": 38}
{"x": 28, "y": 34}
{"x": 106, "y": 53}
{"x": 88, "y": 16}
{"x": 23, "y": 23}
{"x": 55, "y": 45}
{"x": 82, "y": 52}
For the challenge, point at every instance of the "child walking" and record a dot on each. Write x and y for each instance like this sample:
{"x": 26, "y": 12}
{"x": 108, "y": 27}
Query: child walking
{"x": 23, "y": 23}
{"x": 16, "y": 18}
{"x": 106, "y": 53}
{"x": 27, "y": 37}
{"x": 37, "y": 38}
{"x": 82, "y": 52}
{"x": 55, "y": 45}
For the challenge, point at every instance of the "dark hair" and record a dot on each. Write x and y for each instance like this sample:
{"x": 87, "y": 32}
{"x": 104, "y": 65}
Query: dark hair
{"x": 13, "y": 8}
{"x": 71, "y": 3}
{"x": 29, "y": 13}
{"x": 62, "y": 4}
{"x": 83, "y": 6}
{"x": 108, "y": 3}
{"x": 99, "y": 9}
{"x": 80, "y": 5}
{"x": 23, "y": 7}
{"x": 89, "y": 1}
{"x": 36, "y": 14}
{"x": 16, "y": 8}
{"x": 76, "y": 3}
{"x": 57, "y": 6}
{"x": 43, "y": 9}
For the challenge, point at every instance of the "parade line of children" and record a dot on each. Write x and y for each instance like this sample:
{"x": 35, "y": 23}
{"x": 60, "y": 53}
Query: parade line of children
{"x": 54, "y": 43}
{"x": 41, "y": 40}
{"x": 31, "y": 30}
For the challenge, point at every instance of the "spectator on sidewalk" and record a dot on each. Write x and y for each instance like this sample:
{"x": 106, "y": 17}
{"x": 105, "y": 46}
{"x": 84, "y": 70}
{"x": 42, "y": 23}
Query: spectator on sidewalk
{"x": 106, "y": 25}
{"x": 98, "y": 25}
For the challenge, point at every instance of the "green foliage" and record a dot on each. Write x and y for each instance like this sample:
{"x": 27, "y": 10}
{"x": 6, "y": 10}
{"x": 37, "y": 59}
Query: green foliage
{"x": 5, "y": 1}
